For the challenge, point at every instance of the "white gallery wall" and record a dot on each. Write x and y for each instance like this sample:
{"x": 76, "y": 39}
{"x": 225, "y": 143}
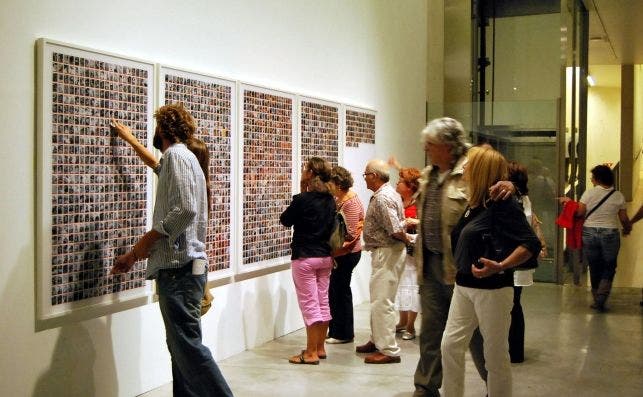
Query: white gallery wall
{"x": 369, "y": 53}
{"x": 603, "y": 117}
{"x": 637, "y": 150}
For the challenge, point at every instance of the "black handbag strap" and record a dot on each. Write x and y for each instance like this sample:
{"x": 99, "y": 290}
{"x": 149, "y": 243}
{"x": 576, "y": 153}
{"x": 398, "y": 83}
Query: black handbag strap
{"x": 600, "y": 203}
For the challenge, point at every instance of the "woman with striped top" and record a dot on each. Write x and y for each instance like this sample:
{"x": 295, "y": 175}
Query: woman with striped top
{"x": 340, "y": 296}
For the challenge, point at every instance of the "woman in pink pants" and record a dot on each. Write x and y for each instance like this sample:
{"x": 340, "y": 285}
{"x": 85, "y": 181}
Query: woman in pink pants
{"x": 312, "y": 216}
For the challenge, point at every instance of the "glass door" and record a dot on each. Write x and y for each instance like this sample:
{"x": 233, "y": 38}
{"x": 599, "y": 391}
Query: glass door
{"x": 518, "y": 91}
{"x": 574, "y": 43}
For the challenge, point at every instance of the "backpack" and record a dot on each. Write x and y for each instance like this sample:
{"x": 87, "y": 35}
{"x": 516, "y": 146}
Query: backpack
{"x": 339, "y": 233}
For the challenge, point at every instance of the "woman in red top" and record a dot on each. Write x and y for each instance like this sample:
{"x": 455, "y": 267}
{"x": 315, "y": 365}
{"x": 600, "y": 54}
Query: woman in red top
{"x": 407, "y": 299}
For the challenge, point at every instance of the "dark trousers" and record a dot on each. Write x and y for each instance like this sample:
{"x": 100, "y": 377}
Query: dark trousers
{"x": 517, "y": 330}
{"x": 340, "y": 297}
{"x": 435, "y": 299}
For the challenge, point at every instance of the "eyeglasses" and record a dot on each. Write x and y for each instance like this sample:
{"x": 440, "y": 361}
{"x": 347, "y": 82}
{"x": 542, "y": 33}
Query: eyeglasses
{"x": 367, "y": 173}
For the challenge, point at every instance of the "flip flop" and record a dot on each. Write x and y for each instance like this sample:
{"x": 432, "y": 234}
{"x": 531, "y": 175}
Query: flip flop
{"x": 301, "y": 360}
{"x": 321, "y": 356}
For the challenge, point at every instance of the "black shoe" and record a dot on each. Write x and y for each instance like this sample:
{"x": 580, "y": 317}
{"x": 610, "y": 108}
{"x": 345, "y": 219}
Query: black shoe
{"x": 598, "y": 307}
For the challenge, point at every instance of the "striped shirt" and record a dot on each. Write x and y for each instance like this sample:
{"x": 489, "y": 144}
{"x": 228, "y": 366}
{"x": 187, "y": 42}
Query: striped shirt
{"x": 180, "y": 211}
{"x": 353, "y": 211}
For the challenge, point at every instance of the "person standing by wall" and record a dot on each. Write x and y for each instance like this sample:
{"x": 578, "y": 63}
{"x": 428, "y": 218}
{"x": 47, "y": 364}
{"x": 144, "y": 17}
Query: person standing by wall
{"x": 177, "y": 260}
{"x": 340, "y": 297}
{"x": 407, "y": 299}
{"x": 312, "y": 216}
{"x": 384, "y": 236}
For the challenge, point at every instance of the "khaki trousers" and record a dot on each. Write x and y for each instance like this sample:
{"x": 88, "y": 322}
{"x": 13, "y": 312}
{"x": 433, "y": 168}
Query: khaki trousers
{"x": 490, "y": 309}
{"x": 387, "y": 266}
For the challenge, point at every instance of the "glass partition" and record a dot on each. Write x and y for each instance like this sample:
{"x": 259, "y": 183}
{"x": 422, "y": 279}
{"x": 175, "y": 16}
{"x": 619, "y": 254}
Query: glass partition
{"x": 528, "y": 136}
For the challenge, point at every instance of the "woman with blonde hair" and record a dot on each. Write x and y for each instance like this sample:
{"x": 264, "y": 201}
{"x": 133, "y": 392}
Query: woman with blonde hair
{"x": 490, "y": 239}
{"x": 312, "y": 216}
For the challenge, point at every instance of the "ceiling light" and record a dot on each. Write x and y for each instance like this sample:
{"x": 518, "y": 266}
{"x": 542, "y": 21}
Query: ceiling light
{"x": 590, "y": 81}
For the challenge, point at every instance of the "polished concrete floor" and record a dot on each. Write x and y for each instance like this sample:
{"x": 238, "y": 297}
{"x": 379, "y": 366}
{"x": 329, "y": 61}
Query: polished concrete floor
{"x": 570, "y": 351}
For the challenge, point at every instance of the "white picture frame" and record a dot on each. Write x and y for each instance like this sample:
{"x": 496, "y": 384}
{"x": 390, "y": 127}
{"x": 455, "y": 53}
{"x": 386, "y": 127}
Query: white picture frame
{"x": 326, "y": 121}
{"x": 84, "y": 87}
{"x": 204, "y": 85}
{"x": 268, "y": 176}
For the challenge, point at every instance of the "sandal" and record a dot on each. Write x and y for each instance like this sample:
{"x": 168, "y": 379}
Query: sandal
{"x": 321, "y": 356}
{"x": 408, "y": 335}
{"x": 301, "y": 360}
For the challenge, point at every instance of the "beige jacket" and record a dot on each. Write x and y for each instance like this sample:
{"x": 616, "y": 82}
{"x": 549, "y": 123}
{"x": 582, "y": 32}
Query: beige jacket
{"x": 454, "y": 203}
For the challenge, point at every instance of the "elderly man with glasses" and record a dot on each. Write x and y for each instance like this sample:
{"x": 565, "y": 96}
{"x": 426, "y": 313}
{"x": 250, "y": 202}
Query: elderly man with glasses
{"x": 385, "y": 238}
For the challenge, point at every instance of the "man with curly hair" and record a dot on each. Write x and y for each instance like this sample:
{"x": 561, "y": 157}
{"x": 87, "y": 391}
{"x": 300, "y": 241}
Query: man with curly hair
{"x": 176, "y": 250}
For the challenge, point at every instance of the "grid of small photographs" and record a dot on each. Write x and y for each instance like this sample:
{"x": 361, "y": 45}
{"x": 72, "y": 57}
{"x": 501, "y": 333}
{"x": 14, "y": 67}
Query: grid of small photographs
{"x": 319, "y": 131}
{"x": 267, "y": 174}
{"x": 98, "y": 185}
{"x": 360, "y": 128}
{"x": 211, "y": 105}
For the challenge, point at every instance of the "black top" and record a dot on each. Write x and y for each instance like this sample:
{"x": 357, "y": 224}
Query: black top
{"x": 506, "y": 221}
{"x": 312, "y": 215}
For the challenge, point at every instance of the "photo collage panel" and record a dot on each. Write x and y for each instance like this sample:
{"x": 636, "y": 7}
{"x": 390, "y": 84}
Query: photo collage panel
{"x": 319, "y": 131}
{"x": 360, "y": 128}
{"x": 99, "y": 185}
{"x": 267, "y": 175}
{"x": 211, "y": 106}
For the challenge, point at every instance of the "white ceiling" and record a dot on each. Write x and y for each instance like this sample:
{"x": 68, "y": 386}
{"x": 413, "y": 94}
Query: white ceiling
{"x": 615, "y": 32}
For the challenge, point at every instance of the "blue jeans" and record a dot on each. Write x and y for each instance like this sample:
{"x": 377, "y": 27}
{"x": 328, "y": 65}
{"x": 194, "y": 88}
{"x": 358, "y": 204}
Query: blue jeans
{"x": 194, "y": 371}
{"x": 601, "y": 247}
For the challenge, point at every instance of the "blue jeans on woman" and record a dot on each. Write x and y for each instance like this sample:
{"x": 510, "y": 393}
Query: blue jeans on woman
{"x": 601, "y": 247}
{"x": 194, "y": 371}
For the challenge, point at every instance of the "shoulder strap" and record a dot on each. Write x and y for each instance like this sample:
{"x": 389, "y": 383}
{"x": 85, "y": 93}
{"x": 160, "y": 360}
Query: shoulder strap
{"x": 348, "y": 196}
{"x": 600, "y": 203}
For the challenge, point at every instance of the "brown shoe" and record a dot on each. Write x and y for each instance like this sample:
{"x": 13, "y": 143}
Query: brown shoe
{"x": 379, "y": 358}
{"x": 368, "y": 347}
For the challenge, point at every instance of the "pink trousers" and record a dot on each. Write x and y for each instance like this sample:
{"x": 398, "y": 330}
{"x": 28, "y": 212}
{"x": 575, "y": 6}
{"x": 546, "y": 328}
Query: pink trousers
{"x": 311, "y": 277}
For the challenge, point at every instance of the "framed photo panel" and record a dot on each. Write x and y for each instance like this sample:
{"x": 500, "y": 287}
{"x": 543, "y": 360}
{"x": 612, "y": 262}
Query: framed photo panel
{"x": 360, "y": 126}
{"x": 319, "y": 130}
{"x": 93, "y": 191}
{"x": 359, "y": 146}
{"x": 212, "y": 102}
{"x": 268, "y": 163}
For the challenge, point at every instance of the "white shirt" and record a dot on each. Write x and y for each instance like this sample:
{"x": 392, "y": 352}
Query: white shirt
{"x": 525, "y": 278}
{"x": 606, "y": 215}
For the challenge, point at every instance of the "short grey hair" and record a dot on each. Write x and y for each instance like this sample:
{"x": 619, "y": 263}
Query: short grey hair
{"x": 380, "y": 168}
{"x": 448, "y": 131}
